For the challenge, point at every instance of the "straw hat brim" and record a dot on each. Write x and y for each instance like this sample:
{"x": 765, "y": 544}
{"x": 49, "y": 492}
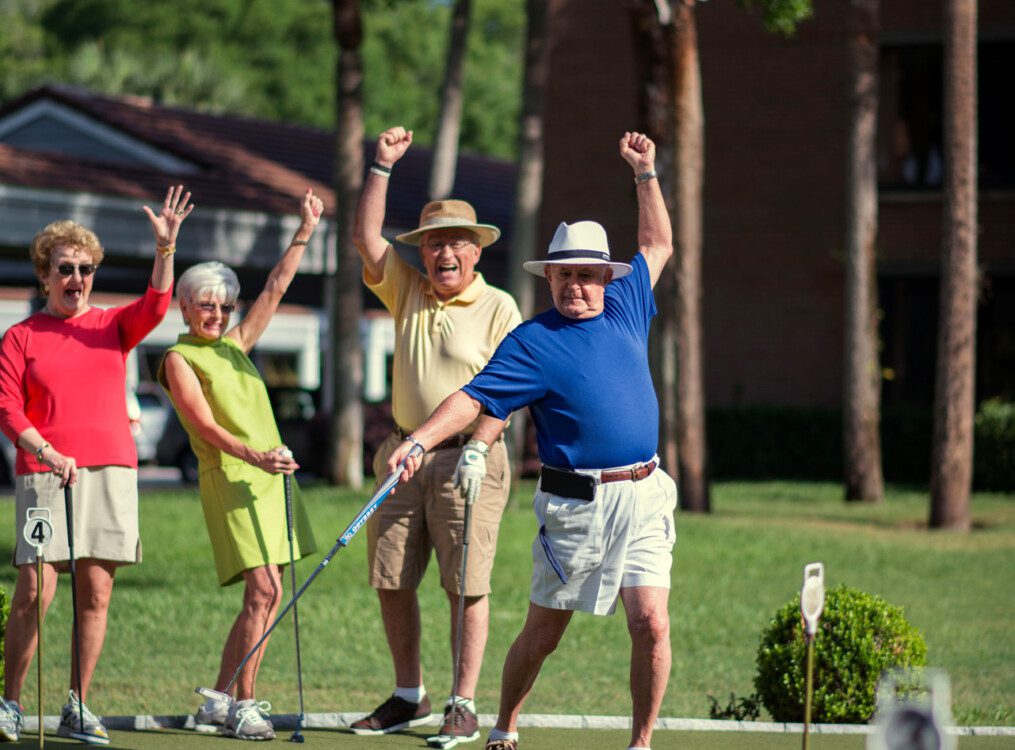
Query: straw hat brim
{"x": 536, "y": 266}
{"x": 487, "y": 233}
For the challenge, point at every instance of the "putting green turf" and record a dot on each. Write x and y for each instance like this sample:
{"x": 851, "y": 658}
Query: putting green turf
{"x": 531, "y": 739}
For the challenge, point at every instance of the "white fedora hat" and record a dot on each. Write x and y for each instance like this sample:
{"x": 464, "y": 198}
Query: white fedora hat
{"x": 580, "y": 244}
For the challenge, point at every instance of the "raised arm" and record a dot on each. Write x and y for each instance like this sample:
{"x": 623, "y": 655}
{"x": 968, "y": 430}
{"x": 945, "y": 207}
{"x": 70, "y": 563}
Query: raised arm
{"x": 165, "y": 226}
{"x": 655, "y": 236}
{"x": 367, "y": 230}
{"x": 193, "y": 406}
{"x": 259, "y": 315}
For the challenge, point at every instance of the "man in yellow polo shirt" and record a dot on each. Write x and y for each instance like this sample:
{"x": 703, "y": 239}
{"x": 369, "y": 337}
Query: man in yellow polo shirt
{"x": 447, "y": 325}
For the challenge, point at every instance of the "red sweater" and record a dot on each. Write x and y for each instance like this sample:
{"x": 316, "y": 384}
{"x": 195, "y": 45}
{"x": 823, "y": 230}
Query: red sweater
{"x": 67, "y": 378}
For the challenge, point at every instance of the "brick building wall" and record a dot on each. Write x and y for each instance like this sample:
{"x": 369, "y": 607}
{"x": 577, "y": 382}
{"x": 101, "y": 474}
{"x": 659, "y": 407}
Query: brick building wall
{"x": 776, "y": 118}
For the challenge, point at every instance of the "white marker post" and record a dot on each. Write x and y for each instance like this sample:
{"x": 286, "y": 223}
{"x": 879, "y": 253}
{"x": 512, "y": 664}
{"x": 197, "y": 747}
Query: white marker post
{"x": 38, "y": 532}
{"x": 812, "y": 602}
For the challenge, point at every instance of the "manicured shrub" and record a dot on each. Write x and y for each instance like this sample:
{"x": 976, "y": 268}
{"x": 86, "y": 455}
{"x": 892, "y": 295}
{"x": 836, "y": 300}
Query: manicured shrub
{"x": 859, "y": 637}
{"x": 994, "y": 451}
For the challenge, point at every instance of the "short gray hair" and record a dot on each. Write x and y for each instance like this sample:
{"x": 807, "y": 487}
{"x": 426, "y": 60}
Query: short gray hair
{"x": 212, "y": 279}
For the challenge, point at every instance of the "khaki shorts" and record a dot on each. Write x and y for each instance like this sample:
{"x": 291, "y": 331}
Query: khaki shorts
{"x": 428, "y": 513}
{"x": 621, "y": 539}
{"x": 105, "y": 515}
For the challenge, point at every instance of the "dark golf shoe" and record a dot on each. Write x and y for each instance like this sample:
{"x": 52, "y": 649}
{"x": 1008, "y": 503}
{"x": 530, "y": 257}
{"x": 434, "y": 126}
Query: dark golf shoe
{"x": 460, "y": 723}
{"x": 394, "y": 715}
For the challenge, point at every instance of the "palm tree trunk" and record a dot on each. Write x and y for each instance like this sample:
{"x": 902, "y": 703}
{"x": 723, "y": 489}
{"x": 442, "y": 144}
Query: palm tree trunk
{"x": 954, "y": 396}
{"x": 690, "y": 158}
{"x": 345, "y": 287}
{"x": 449, "y": 124}
{"x": 862, "y": 376}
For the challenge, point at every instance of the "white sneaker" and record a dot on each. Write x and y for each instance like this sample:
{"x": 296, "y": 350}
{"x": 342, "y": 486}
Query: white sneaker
{"x": 246, "y": 721}
{"x": 74, "y": 714}
{"x": 11, "y": 720}
{"x": 211, "y": 716}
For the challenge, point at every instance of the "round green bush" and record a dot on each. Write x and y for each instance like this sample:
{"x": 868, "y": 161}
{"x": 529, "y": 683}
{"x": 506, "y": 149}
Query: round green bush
{"x": 859, "y": 637}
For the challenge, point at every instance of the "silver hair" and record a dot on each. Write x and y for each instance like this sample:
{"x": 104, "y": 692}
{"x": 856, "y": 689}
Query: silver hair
{"x": 209, "y": 279}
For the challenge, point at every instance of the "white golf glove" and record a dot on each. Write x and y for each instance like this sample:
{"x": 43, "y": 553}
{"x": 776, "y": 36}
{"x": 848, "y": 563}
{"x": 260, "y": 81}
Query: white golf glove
{"x": 471, "y": 469}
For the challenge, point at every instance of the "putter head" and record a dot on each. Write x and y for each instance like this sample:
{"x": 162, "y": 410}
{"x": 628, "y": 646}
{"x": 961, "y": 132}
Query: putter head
{"x": 297, "y": 737}
{"x": 215, "y": 695}
{"x": 812, "y": 597}
{"x": 445, "y": 741}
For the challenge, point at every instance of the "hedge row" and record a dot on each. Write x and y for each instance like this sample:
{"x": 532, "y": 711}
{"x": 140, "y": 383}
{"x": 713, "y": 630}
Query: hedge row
{"x": 799, "y": 443}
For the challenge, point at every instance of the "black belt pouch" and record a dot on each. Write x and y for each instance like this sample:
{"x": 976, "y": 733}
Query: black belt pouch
{"x": 568, "y": 484}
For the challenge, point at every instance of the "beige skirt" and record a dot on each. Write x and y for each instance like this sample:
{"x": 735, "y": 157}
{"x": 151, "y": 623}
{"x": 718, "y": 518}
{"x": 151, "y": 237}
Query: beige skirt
{"x": 104, "y": 510}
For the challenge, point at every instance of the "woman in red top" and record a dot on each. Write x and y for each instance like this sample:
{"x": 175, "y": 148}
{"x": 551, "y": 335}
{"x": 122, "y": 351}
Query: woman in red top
{"x": 63, "y": 403}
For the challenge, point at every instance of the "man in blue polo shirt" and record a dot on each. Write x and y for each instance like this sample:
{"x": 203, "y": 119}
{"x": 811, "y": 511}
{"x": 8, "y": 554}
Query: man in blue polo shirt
{"x": 604, "y": 507}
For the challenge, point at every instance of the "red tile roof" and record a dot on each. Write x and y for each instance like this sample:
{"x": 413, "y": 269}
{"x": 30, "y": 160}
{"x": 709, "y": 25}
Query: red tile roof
{"x": 243, "y": 163}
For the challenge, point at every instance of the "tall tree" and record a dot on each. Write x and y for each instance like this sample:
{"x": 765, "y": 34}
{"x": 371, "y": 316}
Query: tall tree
{"x": 861, "y": 397}
{"x": 449, "y": 119}
{"x": 345, "y": 295}
{"x": 681, "y": 294}
{"x": 529, "y": 187}
{"x": 689, "y": 165}
{"x": 954, "y": 396}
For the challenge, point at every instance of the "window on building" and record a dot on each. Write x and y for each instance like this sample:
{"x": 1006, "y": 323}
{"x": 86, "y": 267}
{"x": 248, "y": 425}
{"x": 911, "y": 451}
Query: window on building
{"x": 910, "y": 131}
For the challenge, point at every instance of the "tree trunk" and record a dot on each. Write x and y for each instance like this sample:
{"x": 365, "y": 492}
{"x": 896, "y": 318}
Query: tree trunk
{"x": 529, "y": 188}
{"x": 346, "y": 293}
{"x": 654, "y": 40}
{"x": 449, "y": 124}
{"x": 689, "y": 145}
{"x": 861, "y": 398}
{"x": 954, "y": 396}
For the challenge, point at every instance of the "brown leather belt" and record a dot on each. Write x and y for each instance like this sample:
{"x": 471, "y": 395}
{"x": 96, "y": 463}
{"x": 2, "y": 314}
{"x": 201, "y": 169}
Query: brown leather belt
{"x": 455, "y": 441}
{"x": 634, "y": 474}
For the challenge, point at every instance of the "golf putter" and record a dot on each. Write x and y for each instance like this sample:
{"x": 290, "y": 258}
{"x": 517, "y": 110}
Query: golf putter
{"x": 297, "y": 735}
{"x": 357, "y": 523}
{"x": 812, "y": 602}
{"x": 447, "y": 741}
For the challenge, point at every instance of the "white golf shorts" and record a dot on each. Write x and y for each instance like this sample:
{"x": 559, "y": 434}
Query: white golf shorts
{"x": 621, "y": 539}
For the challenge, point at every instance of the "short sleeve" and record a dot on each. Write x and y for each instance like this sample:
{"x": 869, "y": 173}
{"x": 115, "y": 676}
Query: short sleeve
{"x": 511, "y": 380}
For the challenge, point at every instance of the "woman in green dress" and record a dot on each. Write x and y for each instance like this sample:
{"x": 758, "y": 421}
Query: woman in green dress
{"x": 223, "y": 404}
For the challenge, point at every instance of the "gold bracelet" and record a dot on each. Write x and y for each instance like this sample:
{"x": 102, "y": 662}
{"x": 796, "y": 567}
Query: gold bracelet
{"x": 165, "y": 252}
{"x": 298, "y": 242}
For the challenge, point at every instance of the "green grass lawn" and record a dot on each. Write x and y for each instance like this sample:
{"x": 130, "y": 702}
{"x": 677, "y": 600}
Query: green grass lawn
{"x": 732, "y": 571}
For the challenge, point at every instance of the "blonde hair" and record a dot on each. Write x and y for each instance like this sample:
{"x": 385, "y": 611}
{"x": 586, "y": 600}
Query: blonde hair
{"x": 64, "y": 233}
{"x": 210, "y": 278}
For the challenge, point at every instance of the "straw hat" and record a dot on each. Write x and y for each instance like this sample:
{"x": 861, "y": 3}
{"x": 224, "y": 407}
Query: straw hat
{"x": 450, "y": 214}
{"x": 580, "y": 244}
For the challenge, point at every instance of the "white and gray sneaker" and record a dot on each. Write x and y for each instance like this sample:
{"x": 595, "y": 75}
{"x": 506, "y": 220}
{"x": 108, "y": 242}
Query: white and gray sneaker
{"x": 246, "y": 721}
{"x": 11, "y": 720}
{"x": 74, "y": 714}
{"x": 211, "y": 716}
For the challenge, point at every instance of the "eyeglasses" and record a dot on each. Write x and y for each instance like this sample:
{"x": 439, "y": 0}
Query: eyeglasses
{"x": 438, "y": 245}
{"x": 85, "y": 269}
{"x": 210, "y": 307}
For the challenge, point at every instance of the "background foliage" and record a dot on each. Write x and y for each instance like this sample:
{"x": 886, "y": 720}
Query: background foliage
{"x": 261, "y": 58}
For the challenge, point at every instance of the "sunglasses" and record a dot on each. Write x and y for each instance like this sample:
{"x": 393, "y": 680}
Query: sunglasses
{"x": 209, "y": 307}
{"x": 85, "y": 269}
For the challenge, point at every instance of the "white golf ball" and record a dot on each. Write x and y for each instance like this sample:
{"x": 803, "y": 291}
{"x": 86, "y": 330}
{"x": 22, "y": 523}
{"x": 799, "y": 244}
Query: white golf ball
{"x": 286, "y": 453}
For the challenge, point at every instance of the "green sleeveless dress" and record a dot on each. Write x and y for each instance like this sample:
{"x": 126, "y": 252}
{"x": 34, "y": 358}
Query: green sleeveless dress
{"x": 244, "y": 507}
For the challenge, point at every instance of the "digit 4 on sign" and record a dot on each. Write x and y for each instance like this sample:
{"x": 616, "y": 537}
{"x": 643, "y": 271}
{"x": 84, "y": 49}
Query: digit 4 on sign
{"x": 38, "y": 531}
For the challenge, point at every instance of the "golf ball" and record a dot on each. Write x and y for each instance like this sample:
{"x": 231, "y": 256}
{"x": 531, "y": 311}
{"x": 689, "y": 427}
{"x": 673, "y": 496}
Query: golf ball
{"x": 286, "y": 453}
